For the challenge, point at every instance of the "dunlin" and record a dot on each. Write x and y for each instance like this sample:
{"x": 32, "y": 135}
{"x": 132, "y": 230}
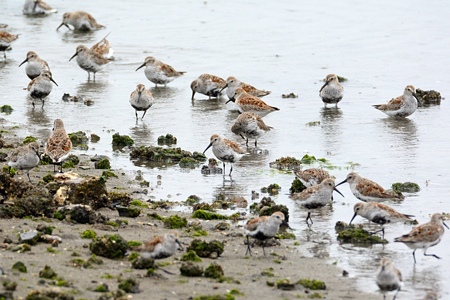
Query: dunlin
{"x": 80, "y": 20}
{"x": 367, "y": 190}
{"x": 159, "y": 247}
{"x": 233, "y": 83}
{"x": 225, "y": 150}
{"x": 35, "y": 65}
{"x": 89, "y": 61}
{"x": 24, "y": 158}
{"x": 388, "y": 277}
{"x": 402, "y": 106}
{"x": 58, "y": 145}
{"x": 425, "y": 235}
{"x": 332, "y": 91}
{"x": 41, "y": 86}
{"x": 159, "y": 72}
{"x": 207, "y": 84}
{"x": 248, "y": 103}
{"x": 310, "y": 177}
{"x": 103, "y": 48}
{"x": 316, "y": 196}
{"x": 263, "y": 228}
{"x": 6, "y": 39}
{"x": 36, "y": 8}
{"x": 379, "y": 213}
{"x": 250, "y": 125}
{"x": 141, "y": 99}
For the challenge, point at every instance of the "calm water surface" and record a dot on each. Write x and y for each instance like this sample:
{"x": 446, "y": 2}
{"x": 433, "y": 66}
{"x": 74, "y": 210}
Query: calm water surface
{"x": 284, "y": 46}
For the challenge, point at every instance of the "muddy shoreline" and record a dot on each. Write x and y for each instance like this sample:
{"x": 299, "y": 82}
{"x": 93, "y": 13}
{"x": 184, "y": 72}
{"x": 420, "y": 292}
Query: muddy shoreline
{"x": 249, "y": 277}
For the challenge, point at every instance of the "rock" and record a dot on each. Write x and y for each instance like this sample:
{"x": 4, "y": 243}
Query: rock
{"x": 222, "y": 226}
{"x": 128, "y": 212}
{"x": 102, "y": 164}
{"x": 49, "y": 294}
{"x": 78, "y": 138}
{"x": 78, "y": 213}
{"x": 285, "y": 163}
{"x": 313, "y": 284}
{"x": 358, "y": 235}
{"x": 191, "y": 256}
{"x": 205, "y": 249}
{"x": 47, "y": 273}
{"x": 129, "y": 285}
{"x": 141, "y": 263}
{"x": 214, "y": 271}
{"x": 428, "y": 97}
{"x": 168, "y": 139}
{"x": 296, "y": 186}
{"x": 121, "y": 140}
{"x": 19, "y": 266}
{"x": 164, "y": 155}
{"x": 30, "y": 237}
{"x": 189, "y": 269}
{"x": 290, "y": 95}
{"x": 285, "y": 284}
{"x": 109, "y": 246}
{"x": 405, "y": 187}
{"x": 211, "y": 168}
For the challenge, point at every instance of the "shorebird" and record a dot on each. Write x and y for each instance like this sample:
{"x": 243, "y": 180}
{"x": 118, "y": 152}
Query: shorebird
{"x": 264, "y": 228}
{"x": 58, "y": 145}
{"x": 103, "y": 48}
{"x": 35, "y": 65}
{"x": 225, "y": 150}
{"x": 80, "y": 20}
{"x": 90, "y": 61}
{"x": 379, "y": 213}
{"x": 41, "y": 86}
{"x": 24, "y": 158}
{"x": 207, "y": 84}
{"x": 250, "y": 125}
{"x": 368, "y": 190}
{"x": 312, "y": 176}
{"x": 248, "y": 103}
{"x": 332, "y": 91}
{"x": 425, "y": 235}
{"x": 158, "y": 72}
{"x": 233, "y": 83}
{"x": 316, "y": 196}
{"x": 402, "y": 106}
{"x": 6, "y": 39}
{"x": 36, "y": 8}
{"x": 388, "y": 277}
{"x": 162, "y": 246}
{"x": 141, "y": 99}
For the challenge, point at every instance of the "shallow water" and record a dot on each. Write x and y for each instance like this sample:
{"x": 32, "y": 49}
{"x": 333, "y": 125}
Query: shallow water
{"x": 281, "y": 46}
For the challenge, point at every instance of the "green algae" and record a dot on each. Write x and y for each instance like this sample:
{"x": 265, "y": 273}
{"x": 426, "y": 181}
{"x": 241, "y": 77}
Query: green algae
{"x": 214, "y": 271}
{"x": 208, "y": 215}
{"x": 312, "y": 284}
{"x": 121, "y": 140}
{"x": 191, "y": 256}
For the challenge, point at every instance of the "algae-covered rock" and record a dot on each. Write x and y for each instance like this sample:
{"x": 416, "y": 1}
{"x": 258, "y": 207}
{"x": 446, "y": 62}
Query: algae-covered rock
{"x": 163, "y": 155}
{"x": 128, "y": 211}
{"x": 129, "y": 285}
{"x": 208, "y": 215}
{"x": 141, "y": 263}
{"x": 428, "y": 97}
{"x": 211, "y": 168}
{"x": 109, "y": 246}
{"x": 29, "y": 139}
{"x": 175, "y": 222}
{"x": 192, "y": 199}
{"x": 102, "y": 164}
{"x": 71, "y": 161}
{"x": 285, "y": 284}
{"x": 189, "y": 269}
{"x": 313, "y": 284}
{"x": 296, "y": 186}
{"x": 94, "y": 138}
{"x": 358, "y": 235}
{"x": 191, "y": 256}
{"x": 88, "y": 234}
{"x": 91, "y": 191}
{"x": 27, "y": 199}
{"x": 7, "y": 109}
{"x": 121, "y": 140}
{"x": 405, "y": 187}
{"x": 47, "y": 273}
{"x": 188, "y": 162}
{"x": 119, "y": 198}
{"x": 108, "y": 174}
{"x": 285, "y": 163}
{"x": 213, "y": 248}
{"x": 167, "y": 139}
{"x": 222, "y": 226}
{"x": 78, "y": 138}
{"x": 214, "y": 271}
{"x": 50, "y": 294}
{"x": 9, "y": 285}
{"x": 228, "y": 296}
{"x": 272, "y": 189}
{"x": 19, "y": 266}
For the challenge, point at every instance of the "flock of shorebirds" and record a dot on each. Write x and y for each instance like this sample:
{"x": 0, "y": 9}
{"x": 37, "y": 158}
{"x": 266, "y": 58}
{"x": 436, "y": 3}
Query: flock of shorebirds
{"x": 249, "y": 125}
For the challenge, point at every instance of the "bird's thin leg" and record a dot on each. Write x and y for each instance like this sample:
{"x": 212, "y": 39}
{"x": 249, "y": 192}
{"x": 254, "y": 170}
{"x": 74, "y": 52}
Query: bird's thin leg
{"x": 28, "y": 174}
{"x": 309, "y": 218}
{"x": 414, "y": 255}
{"x": 256, "y": 143}
{"x": 395, "y": 296}
{"x": 231, "y": 169}
{"x": 424, "y": 253}
{"x": 143, "y": 114}
{"x": 262, "y": 245}
{"x": 60, "y": 170}
{"x": 249, "y": 251}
